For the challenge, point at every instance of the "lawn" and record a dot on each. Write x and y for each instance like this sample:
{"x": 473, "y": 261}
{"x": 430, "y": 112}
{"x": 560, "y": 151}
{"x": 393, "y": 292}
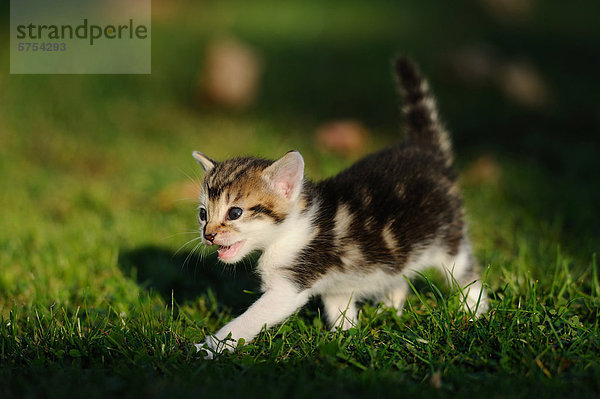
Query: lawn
{"x": 103, "y": 290}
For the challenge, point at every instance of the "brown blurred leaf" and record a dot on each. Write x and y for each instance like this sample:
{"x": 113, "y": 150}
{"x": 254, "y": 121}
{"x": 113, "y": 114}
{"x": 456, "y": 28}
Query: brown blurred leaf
{"x": 231, "y": 74}
{"x": 166, "y": 9}
{"x": 509, "y": 9}
{"x": 474, "y": 64}
{"x": 436, "y": 380}
{"x": 523, "y": 83}
{"x": 483, "y": 170}
{"x": 345, "y": 137}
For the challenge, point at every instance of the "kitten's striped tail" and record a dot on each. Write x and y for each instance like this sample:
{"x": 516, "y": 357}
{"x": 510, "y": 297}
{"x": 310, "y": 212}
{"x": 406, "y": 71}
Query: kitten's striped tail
{"x": 420, "y": 111}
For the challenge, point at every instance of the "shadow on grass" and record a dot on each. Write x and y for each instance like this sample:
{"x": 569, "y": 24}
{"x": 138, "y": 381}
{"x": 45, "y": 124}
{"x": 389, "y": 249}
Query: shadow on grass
{"x": 187, "y": 276}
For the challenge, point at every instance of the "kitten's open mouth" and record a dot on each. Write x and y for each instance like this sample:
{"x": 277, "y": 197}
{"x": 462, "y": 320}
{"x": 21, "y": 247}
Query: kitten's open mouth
{"x": 229, "y": 251}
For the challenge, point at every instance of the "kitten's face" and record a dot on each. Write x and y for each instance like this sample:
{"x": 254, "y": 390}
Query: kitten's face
{"x": 244, "y": 200}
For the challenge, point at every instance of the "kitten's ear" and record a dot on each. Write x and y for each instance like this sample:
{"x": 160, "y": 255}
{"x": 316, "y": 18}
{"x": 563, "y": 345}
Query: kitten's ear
{"x": 285, "y": 175}
{"x": 203, "y": 160}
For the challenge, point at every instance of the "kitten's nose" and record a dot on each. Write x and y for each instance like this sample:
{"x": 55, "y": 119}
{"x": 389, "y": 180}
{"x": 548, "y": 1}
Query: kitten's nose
{"x": 210, "y": 237}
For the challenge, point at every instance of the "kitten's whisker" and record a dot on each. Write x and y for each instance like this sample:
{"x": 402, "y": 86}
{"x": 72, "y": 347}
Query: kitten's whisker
{"x": 186, "y": 244}
{"x": 180, "y": 233}
{"x": 189, "y": 256}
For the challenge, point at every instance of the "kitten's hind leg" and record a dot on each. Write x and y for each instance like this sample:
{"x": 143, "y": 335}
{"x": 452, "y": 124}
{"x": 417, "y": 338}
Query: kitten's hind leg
{"x": 465, "y": 273}
{"x": 396, "y": 297}
{"x": 340, "y": 310}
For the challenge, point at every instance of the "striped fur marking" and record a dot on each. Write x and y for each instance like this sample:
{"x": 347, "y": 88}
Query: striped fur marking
{"x": 261, "y": 210}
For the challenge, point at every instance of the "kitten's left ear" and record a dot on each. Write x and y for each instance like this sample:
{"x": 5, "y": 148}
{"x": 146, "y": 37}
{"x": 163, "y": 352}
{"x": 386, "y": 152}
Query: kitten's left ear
{"x": 203, "y": 160}
{"x": 285, "y": 175}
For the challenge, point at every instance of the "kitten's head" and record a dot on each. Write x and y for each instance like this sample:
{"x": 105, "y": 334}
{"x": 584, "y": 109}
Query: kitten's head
{"x": 243, "y": 201}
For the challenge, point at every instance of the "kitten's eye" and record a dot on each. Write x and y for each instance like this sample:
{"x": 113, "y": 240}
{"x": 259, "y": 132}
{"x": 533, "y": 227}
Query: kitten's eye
{"x": 234, "y": 213}
{"x": 202, "y": 215}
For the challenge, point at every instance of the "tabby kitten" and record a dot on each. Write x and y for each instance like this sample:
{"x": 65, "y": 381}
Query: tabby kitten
{"x": 354, "y": 236}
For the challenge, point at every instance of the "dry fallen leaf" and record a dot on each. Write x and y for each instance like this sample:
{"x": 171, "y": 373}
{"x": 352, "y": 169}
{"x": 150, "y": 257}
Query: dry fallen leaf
{"x": 436, "y": 380}
{"x": 345, "y": 137}
{"x": 474, "y": 64}
{"x": 509, "y": 10}
{"x": 231, "y": 74}
{"x": 522, "y": 82}
{"x": 483, "y": 170}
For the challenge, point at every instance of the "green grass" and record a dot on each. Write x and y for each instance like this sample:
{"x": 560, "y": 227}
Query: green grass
{"x": 100, "y": 294}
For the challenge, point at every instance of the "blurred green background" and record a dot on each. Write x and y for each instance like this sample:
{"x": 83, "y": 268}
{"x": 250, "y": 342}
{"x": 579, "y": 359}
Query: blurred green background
{"x": 97, "y": 182}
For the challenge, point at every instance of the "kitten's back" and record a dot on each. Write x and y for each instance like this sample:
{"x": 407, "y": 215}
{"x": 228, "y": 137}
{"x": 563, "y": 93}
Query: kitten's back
{"x": 382, "y": 210}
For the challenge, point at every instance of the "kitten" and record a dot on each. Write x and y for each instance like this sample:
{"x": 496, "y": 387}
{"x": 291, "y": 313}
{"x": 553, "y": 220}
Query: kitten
{"x": 357, "y": 235}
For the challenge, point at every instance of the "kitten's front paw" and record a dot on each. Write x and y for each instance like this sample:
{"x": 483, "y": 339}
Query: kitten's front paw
{"x": 210, "y": 346}
{"x": 203, "y": 346}
{"x": 213, "y": 346}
